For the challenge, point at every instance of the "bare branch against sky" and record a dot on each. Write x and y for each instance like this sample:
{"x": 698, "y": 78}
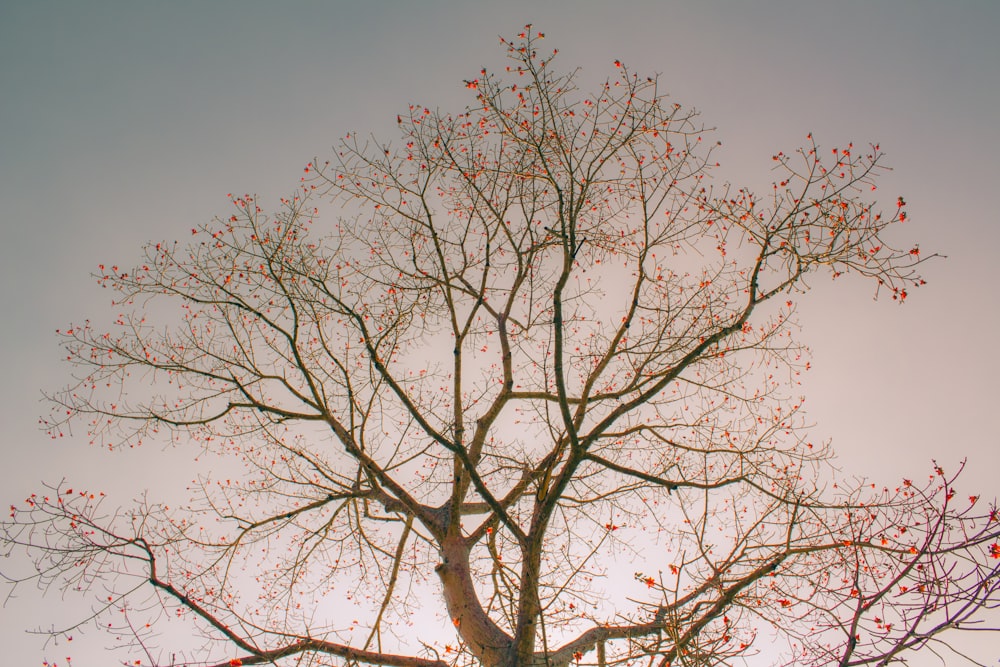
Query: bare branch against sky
{"x": 537, "y": 378}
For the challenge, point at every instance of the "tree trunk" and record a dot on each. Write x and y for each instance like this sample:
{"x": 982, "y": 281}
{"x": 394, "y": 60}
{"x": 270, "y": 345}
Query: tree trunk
{"x": 490, "y": 644}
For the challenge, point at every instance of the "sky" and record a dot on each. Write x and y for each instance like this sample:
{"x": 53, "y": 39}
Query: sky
{"x": 122, "y": 122}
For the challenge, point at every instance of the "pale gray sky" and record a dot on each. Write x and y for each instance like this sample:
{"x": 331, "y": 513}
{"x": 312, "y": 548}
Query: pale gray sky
{"x": 122, "y": 122}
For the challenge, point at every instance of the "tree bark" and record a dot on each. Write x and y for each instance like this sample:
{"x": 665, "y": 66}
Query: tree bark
{"x": 483, "y": 638}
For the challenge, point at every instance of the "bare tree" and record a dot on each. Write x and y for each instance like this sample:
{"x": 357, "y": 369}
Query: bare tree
{"x": 533, "y": 349}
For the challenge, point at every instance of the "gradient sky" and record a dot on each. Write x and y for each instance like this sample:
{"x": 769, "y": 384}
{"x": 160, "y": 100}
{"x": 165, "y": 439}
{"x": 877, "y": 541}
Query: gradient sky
{"x": 122, "y": 122}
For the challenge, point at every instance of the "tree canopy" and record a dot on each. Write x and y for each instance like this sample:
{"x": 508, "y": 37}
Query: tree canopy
{"x": 525, "y": 374}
